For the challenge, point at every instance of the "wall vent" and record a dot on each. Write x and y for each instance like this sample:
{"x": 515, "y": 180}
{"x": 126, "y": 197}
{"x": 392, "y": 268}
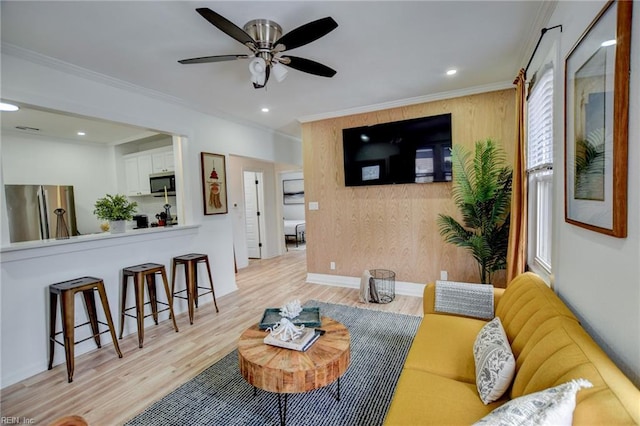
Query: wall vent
{"x": 32, "y": 129}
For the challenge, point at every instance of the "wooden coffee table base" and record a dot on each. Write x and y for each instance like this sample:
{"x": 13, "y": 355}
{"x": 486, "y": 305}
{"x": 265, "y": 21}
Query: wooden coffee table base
{"x": 285, "y": 371}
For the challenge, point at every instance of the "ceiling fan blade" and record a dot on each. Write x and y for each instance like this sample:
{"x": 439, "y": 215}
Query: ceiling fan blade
{"x": 226, "y": 26}
{"x": 307, "y": 65}
{"x": 207, "y": 59}
{"x": 307, "y": 33}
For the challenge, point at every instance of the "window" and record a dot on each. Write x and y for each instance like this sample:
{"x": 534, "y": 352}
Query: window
{"x": 540, "y": 170}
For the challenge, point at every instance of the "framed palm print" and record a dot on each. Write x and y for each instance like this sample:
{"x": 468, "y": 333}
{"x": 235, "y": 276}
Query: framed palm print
{"x": 597, "y": 123}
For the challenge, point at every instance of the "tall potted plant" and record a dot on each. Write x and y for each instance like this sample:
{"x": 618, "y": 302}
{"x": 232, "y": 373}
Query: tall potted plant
{"x": 117, "y": 209}
{"x": 482, "y": 193}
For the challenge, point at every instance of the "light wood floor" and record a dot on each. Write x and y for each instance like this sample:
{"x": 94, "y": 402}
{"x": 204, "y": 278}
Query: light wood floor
{"x": 107, "y": 390}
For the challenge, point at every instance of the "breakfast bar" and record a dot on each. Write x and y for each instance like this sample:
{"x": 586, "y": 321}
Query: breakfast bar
{"x": 29, "y": 268}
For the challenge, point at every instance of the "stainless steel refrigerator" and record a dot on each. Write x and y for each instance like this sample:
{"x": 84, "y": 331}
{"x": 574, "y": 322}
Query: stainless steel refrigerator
{"x": 40, "y": 212}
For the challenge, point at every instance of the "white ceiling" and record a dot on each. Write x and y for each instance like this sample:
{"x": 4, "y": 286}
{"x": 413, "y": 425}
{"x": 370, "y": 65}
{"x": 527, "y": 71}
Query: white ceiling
{"x": 385, "y": 52}
{"x": 42, "y": 122}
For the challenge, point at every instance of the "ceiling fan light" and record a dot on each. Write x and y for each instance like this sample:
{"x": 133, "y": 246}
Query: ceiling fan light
{"x": 279, "y": 71}
{"x": 258, "y": 80}
{"x": 258, "y": 67}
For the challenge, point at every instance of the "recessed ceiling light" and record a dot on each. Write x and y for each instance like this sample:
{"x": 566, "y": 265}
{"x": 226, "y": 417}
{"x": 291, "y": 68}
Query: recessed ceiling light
{"x": 452, "y": 72}
{"x": 81, "y": 133}
{"x": 608, "y": 43}
{"x": 8, "y": 107}
{"x": 265, "y": 109}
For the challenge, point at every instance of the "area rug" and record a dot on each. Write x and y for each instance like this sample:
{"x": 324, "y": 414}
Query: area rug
{"x": 220, "y": 396}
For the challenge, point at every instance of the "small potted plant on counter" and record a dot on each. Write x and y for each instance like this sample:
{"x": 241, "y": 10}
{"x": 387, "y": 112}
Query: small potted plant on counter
{"x": 117, "y": 209}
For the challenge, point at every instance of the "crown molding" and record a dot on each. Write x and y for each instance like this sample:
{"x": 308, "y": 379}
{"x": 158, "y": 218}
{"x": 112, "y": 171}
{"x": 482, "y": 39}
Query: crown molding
{"x": 541, "y": 20}
{"x": 72, "y": 69}
{"x": 409, "y": 101}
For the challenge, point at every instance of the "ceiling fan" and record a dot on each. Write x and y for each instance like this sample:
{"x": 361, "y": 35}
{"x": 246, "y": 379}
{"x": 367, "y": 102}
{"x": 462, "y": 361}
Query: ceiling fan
{"x": 265, "y": 40}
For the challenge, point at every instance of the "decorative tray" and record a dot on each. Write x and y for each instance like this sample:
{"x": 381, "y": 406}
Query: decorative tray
{"x": 310, "y": 317}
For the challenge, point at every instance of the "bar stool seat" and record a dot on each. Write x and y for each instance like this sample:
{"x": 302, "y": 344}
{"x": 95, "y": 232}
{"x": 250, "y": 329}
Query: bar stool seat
{"x": 190, "y": 262}
{"x": 67, "y": 291}
{"x": 142, "y": 273}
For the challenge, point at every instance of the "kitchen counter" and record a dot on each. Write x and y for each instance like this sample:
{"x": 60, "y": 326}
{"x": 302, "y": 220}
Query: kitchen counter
{"x": 32, "y": 249}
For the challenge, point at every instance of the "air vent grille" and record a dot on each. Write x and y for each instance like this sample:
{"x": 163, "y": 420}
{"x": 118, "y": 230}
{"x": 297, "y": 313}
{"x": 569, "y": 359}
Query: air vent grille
{"x": 31, "y": 129}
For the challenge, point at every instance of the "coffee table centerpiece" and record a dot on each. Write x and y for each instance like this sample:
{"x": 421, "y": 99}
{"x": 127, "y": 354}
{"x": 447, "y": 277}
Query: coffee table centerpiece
{"x": 284, "y": 329}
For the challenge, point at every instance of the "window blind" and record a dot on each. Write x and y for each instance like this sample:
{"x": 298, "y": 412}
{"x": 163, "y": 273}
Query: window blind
{"x": 540, "y": 124}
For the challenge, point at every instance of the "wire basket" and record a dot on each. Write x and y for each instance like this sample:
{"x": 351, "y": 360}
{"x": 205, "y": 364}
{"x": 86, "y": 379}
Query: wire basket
{"x": 383, "y": 287}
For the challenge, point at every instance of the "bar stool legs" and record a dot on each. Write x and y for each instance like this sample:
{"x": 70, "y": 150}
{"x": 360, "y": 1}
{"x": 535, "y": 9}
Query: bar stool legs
{"x": 145, "y": 274}
{"x": 67, "y": 291}
{"x": 213, "y": 293}
{"x": 190, "y": 262}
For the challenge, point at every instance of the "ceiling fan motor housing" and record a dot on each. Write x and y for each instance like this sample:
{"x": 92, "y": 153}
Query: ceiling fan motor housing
{"x": 264, "y": 31}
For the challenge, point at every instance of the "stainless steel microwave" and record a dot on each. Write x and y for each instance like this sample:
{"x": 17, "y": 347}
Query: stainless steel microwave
{"x": 159, "y": 182}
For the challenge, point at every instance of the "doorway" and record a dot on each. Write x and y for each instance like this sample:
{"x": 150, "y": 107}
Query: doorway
{"x": 254, "y": 219}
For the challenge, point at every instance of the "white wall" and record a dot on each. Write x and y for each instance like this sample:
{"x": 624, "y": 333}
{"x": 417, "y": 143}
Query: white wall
{"x": 49, "y": 84}
{"x": 597, "y": 275}
{"x": 35, "y": 160}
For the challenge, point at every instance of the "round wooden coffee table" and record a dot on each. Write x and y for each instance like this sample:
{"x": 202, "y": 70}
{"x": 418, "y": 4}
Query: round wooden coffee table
{"x": 286, "y": 371}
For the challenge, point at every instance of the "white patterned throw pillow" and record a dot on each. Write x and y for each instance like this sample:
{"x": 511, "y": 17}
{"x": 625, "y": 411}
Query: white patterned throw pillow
{"x": 495, "y": 363}
{"x": 550, "y": 407}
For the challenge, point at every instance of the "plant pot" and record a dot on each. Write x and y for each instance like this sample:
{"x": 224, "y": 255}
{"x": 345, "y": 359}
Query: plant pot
{"x": 117, "y": 226}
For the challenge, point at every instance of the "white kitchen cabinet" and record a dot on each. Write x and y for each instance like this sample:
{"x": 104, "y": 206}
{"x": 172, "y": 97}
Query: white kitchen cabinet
{"x": 137, "y": 170}
{"x": 162, "y": 162}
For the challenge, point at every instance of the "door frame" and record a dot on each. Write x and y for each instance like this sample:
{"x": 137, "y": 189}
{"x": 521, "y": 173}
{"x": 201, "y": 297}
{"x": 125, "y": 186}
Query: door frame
{"x": 258, "y": 177}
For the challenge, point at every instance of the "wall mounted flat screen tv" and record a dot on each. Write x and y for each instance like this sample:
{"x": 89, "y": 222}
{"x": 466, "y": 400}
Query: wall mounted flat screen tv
{"x": 408, "y": 151}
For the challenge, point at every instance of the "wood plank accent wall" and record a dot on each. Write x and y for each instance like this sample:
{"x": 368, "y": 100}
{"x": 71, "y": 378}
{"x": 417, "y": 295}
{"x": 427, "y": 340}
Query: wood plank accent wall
{"x": 393, "y": 226}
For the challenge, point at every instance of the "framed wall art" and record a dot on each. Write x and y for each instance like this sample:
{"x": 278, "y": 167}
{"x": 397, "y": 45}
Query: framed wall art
{"x": 214, "y": 183}
{"x": 597, "y": 122}
{"x": 293, "y": 191}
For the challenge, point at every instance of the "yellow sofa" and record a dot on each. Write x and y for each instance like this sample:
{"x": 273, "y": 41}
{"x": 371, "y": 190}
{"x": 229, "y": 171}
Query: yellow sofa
{"x": 437, "y": 383}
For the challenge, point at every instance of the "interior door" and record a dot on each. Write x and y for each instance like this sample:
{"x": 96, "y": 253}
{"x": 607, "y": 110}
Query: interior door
{"x": 252, "y": 191}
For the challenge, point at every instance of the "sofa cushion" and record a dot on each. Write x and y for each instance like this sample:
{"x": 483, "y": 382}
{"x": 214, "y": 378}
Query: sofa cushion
{"x": 423, "y": 398}
{"x": 443, "y": 345}
{"x": 525, "y": 305}
{"x": 551, "y": 407}
{"x": 561, "y": 350}
{"x": 494, "y": 363}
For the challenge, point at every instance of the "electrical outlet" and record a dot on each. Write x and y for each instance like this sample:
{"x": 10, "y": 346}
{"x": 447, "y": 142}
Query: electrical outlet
{"x": 313, "y": 205}
{"x": 332, "y": 265}
{"x": 444, "y": 276}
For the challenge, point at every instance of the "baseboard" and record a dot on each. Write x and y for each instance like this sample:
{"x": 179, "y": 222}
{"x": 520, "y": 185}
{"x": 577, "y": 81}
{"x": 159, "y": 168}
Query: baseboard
{"x": 402, "y": 287}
